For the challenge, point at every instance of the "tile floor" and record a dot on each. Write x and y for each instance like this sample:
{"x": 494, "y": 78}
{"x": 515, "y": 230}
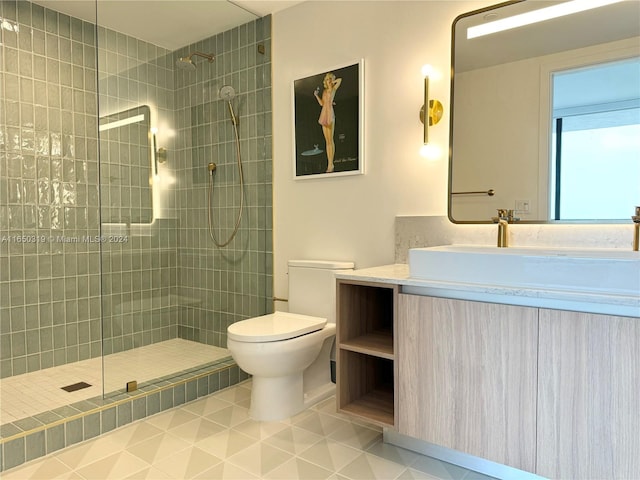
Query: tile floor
{"x": 214, "y": 438}
{"x": 35, "y": 392}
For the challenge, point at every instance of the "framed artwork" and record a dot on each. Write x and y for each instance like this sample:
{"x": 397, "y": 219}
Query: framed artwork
{"x": 328, "y": 123}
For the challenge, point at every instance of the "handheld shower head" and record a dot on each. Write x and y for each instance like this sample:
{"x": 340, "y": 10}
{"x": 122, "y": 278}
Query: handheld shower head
{"x": 227, "y": 93}
{"x": 185, "y": 63}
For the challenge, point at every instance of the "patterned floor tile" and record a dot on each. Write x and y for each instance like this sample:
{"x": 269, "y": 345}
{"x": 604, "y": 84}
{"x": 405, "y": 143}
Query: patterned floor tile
{"x": 197, "y": 430}
{"x": 187, "y": 464}
{"x": 150, "y": 473}
{"x": 214, "y": 438}
{"x": 114, "y": 467}
{"x": 89, "y": 452}
{"x": 42, "y": 470}
{"x": 260, "y": 458}
{"x": 226, "y": 471}
{"x": 158, "y": 447}
{"x": 296, "y": 469}
{"x": 321, "y": 423}
{"x": 356, "y": 436}
{"x": 259, "y": 430}
{"x": 207, "y": 405}
{"x": 225, "y": 444}
{"x": 171, "y": 418}
{"x": 229, "y": 416}
{"x": 370, "y": 467}
{"x": 134, "y": 433}
{"x": 293, "y": 439}
{"x": 330, "y": 454}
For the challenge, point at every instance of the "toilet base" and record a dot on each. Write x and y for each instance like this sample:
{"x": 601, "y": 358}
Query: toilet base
{"x": 277, "y": 398}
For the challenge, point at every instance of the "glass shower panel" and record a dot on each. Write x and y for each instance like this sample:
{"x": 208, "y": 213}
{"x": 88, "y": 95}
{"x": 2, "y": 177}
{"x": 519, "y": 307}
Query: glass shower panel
{"x": 168, "y": 293}
{"x": 49, "y": 215}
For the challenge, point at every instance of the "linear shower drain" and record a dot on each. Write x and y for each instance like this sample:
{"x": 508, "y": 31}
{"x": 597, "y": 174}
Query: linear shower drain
{"x": 75, "y": 386}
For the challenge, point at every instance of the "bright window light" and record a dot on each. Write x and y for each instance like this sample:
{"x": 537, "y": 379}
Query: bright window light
{"x": 536, "y": 16}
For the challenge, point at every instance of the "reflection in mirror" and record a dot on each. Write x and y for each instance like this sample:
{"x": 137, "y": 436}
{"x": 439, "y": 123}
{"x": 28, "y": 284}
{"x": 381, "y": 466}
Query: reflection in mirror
{"x": 547, "y": 116}
{"x": 126, "y": 160}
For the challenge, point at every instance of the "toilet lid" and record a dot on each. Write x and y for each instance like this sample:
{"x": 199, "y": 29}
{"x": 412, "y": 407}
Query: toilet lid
{"x": 273, "y": 327}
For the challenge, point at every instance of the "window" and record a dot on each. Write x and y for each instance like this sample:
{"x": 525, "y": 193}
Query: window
{"x": 596, "y": 142}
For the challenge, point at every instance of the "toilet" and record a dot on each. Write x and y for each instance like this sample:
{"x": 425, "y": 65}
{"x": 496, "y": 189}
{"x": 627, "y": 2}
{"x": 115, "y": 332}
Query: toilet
{"x": 288, "y": 353}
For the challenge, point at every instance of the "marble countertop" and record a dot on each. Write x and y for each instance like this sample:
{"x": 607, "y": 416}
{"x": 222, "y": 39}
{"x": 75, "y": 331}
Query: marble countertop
{"x": 398, "y": 274}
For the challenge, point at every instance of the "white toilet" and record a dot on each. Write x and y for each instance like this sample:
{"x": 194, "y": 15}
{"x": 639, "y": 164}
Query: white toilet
{"x": 287, "y": 353}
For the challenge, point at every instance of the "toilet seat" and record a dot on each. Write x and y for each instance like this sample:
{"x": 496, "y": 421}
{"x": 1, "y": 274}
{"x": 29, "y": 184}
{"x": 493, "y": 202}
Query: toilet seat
{"x": 274, "y": 327}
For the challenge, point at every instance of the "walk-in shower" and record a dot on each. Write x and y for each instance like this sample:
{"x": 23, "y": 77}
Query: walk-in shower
{"x": 108, "y": 279}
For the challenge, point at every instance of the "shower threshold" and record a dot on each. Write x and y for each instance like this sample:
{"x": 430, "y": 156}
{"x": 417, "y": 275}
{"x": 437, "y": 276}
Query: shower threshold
{"x": 85, "y": 416}
{"x": 32, "y": 393}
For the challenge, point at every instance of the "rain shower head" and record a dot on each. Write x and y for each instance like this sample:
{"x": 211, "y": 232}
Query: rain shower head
{"x": 185, "y": 63}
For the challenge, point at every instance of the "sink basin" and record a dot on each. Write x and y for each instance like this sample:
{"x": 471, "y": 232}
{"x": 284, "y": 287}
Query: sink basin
{"x": 602, "y": 271}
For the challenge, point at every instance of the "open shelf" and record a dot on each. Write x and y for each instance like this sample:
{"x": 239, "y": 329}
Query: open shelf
{"x": 365, "y": 353}
{"x": 376, "y": 405}
{"x": 378, "y": 343}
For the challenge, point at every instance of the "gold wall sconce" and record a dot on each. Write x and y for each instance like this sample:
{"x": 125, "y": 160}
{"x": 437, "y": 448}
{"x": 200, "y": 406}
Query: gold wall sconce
{"x": 432, "y": 108}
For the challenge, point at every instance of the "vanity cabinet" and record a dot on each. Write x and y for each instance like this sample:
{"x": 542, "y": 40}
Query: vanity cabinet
{"x": 552, "y": 392}
{"x": 365, "y": 350}
{"x": 467, "y": 374}
{"x": 588, "y": 396}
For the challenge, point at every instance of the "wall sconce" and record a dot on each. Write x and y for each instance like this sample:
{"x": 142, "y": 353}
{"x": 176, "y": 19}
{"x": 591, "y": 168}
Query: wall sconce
{"x": 431, "y": 109}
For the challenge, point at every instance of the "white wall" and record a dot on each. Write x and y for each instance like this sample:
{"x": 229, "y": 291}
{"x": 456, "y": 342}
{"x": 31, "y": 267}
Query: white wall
{"x": 352, "y": 217}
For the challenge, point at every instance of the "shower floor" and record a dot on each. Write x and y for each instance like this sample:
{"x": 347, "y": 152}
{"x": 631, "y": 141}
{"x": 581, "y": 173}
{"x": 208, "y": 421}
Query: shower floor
{"x": 32, "y": 393}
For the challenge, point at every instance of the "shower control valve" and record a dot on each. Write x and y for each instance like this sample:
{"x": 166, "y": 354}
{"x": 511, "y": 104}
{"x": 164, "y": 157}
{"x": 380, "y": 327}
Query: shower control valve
{"x": 212, "y": 167}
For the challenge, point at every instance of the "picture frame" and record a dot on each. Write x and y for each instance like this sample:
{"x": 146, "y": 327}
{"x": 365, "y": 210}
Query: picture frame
{"x": 328, "y": 137}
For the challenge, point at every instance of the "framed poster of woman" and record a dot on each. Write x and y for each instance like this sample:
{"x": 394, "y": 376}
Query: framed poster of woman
{"x": 328, "y": 123}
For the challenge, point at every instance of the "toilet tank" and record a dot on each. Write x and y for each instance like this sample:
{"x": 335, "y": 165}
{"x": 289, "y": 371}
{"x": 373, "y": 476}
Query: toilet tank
{"x": 312, "y": 287}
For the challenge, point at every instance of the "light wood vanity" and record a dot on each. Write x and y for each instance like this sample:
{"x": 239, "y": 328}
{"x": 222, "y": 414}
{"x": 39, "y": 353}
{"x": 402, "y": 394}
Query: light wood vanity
{"x": 552, "y": 392}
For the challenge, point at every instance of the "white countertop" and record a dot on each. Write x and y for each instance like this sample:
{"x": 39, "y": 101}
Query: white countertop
{"x": 398, "y": 274}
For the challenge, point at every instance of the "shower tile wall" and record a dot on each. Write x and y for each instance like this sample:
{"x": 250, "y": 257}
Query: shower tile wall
{"x": 139, "y": 254}
{"x": 221, "y": 286}
{"x": 49, "y": 277}
{"x": 167, "y": 279}
{"x": 50, "y": 258}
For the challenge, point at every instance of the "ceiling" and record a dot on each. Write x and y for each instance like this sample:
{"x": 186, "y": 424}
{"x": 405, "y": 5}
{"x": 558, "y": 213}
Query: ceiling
{"x": 168, "y": 23}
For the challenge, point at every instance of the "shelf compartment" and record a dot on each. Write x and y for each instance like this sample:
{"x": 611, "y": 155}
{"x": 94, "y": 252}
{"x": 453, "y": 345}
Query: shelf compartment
{"x": 366, "y": 387}
{"x": 366, "y": 314}
{"x": 378, "y": 343}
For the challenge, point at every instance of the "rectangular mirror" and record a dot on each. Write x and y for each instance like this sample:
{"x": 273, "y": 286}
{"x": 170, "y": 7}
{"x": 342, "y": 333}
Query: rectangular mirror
{"x": 545, "y": 117}
{"x": 126, "y": 166}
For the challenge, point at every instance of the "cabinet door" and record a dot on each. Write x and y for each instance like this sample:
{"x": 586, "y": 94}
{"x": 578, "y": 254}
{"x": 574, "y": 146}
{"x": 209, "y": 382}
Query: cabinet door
{"x": 467, "y": 377}
{"x": 589, "y": 396}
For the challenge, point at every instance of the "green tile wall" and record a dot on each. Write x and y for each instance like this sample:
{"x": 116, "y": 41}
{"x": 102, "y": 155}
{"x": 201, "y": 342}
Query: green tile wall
{"x": 49, "y": 190}
{"x": 230, "y": 284}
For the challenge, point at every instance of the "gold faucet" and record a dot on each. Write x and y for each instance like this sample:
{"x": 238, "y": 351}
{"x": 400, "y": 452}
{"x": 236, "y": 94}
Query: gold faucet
{"x": 636, "y": 230}
{"x": 504, "y": 218}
